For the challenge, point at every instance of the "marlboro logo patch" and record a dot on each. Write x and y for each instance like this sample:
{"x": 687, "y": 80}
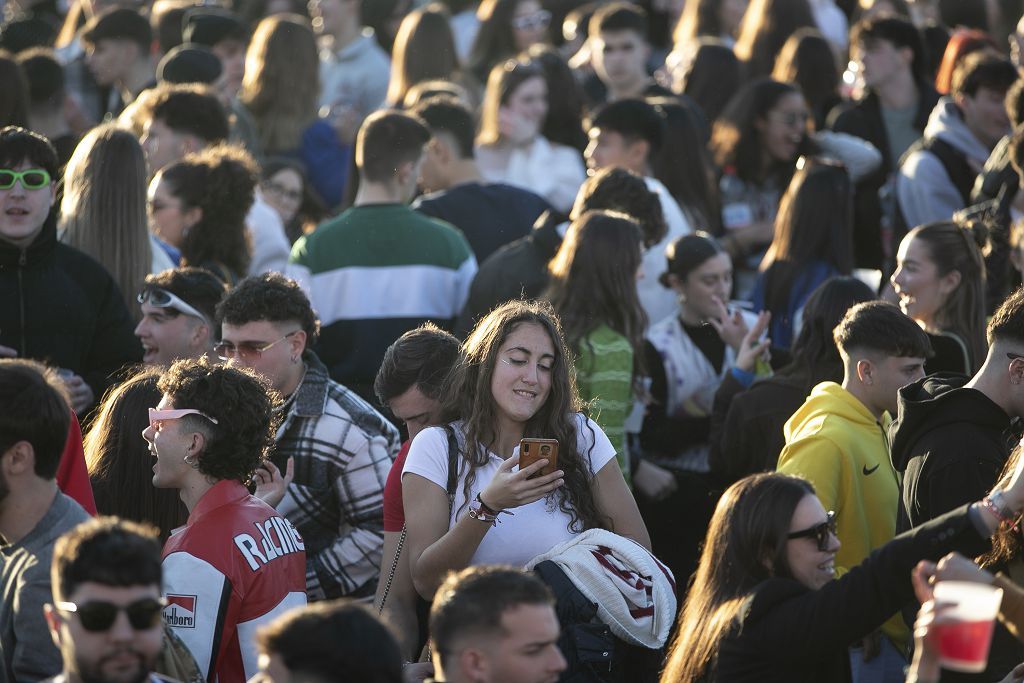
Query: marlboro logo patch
{"x": 180, "y": 611}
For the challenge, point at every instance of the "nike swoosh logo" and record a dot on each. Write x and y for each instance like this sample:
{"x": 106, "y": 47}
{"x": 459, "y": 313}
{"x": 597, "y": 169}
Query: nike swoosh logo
{"x": 867, "y": 471}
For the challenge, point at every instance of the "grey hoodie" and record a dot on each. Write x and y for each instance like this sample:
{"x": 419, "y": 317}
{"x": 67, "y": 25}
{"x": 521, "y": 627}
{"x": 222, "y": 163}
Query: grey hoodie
{"x": 924, "y": 189}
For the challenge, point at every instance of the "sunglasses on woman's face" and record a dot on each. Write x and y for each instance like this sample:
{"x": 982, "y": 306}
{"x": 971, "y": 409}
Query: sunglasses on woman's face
{"x": 97, "y": 615}
{"x": 821, "y": 533}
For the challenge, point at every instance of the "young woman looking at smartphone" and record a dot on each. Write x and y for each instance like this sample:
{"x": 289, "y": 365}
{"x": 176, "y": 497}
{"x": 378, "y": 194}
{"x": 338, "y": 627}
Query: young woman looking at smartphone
{"x": 513, "y": 381}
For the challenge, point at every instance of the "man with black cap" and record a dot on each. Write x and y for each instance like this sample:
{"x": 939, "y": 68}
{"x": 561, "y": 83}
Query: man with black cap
{"x": 227, "y": 37}
{"x": 189, "y": 63}
{"x": 117, "y": 44}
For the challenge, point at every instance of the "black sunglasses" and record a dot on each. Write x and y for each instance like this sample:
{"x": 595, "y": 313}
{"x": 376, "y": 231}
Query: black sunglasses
{"x": 96, "y": 615}
{"x": 821, "y": 533}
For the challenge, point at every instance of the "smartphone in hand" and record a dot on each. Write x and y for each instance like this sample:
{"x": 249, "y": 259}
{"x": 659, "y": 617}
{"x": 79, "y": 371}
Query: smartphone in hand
{"x": 532, "y": 450}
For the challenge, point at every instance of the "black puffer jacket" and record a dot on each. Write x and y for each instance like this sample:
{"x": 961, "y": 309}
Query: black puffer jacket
{"x": 59, "y": 306}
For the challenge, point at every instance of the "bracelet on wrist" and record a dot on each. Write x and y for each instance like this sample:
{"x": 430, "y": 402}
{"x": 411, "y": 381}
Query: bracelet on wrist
{"x": 487, "y": 508}
{"x": 995, "y": 504}
{"x": 479, "y": 511}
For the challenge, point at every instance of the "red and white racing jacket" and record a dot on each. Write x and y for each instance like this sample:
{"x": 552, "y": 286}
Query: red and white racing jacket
{"x": 234, "y": 567}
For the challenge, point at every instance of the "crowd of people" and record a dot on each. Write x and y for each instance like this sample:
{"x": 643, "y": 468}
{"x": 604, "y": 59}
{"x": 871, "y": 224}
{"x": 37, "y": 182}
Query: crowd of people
{"x": 508, "y": 341}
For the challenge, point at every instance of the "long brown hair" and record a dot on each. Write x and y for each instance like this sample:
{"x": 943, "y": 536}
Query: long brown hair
{"x": 766, "y": 26}
{"x": 814, "y": 224}
{"x": 468, "y": 397}
{"x": 504, "y": 80}
{"x": 424, "y": 51}
{"x": 282, "y": 81}
{"x": 593, "y": 280}
{"x": 119, "y": 461}
{"x": 745, "y": 545}
{"x": 103, "y": 212}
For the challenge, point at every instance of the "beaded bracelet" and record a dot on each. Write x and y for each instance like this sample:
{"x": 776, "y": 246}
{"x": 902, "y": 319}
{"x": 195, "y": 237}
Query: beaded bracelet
{"x": 991, "y": 503}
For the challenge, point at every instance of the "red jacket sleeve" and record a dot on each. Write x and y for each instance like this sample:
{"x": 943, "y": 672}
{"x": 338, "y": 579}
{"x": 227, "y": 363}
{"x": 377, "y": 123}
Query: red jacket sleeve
{"x": 72, "y": 474}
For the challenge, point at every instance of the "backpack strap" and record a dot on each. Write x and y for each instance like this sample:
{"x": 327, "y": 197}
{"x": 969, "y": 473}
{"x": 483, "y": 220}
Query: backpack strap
{"x": 454, "y": 452}
{"x": 953, "y": 161}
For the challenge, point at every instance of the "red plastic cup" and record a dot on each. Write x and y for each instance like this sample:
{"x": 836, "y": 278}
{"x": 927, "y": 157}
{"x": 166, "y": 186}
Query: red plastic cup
{"x": 964, "y": 642}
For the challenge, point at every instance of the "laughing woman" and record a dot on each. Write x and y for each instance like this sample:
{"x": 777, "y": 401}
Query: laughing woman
{"x": 766, "y": 607}
{"x": 940, "y": 281}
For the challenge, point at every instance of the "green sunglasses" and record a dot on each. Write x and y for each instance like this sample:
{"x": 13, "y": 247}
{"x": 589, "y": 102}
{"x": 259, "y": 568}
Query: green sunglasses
{"x": 32, "y": 179}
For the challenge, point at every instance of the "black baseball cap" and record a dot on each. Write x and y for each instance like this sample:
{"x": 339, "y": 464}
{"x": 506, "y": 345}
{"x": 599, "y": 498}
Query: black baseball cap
{"x": 119, "y": 23}
{"x": 189, "y": 63}
{"x": 210, "y": 25}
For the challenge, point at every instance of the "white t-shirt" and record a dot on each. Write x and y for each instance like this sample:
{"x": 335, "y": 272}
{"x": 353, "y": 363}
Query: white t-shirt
{"x": 533, "y": 529}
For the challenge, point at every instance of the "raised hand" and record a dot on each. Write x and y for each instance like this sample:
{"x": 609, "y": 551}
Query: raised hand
{"x": 730, "y": 326}
{"x": 270, "y": 485}
{"x": 753, "y": 347}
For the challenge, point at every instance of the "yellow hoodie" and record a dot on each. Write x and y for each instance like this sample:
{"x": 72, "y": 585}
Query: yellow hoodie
{"x": 834, "y": 442}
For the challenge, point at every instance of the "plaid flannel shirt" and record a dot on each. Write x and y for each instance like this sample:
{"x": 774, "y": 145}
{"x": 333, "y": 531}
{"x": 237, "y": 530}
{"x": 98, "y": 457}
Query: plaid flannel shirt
{"x": 343, "y": 450}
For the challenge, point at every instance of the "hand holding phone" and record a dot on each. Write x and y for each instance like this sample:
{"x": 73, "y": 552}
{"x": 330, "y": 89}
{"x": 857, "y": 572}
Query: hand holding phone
{"x": 532, "y": 450}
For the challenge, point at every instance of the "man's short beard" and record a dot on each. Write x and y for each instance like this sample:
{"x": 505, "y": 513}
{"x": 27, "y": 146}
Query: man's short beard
{"x": 93, "y": 674}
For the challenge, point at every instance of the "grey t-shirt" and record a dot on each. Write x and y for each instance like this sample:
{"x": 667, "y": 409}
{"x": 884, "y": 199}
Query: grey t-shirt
{"x": 900, "y": 130}
{"x": 28, "y": 651}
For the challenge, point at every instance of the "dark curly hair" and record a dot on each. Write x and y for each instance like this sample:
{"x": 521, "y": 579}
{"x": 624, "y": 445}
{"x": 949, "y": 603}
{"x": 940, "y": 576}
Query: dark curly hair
{"x": 468, "y": 397}
{"x": 271, "y": 297}
{"x": 243, "y": 404}
{"x": 221, "y": 181}
{"x": 618, "y": 189}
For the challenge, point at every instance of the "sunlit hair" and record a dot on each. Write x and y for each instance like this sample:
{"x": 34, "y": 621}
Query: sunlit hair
{"x": 699, "y": 18}
{"x": 495, "y": 39}
{"x": 504, "y": 80}
{"x": 103, "y": 212}
{"x": 807, "y": 61}
{"x": 745, "y": 545}
{"x": 954, "y": 247}
{"x": 766, "y": 26}
{"x": 282, "y": 81}
{"x": 593, "y": 280}
{"x": 469, "y": 397}
{"x": 120, "y": 464}
{"x": 424, "y": 51}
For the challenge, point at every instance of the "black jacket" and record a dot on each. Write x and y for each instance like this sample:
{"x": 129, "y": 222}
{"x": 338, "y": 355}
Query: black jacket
{"x": 59, "y": 306}
{"x": 746, "y": 425}
{"x": 788, "y": 633}
{"x": 863, "y": 118}
{"x": 519, "y": 270}
{"x": 949, "y": 442}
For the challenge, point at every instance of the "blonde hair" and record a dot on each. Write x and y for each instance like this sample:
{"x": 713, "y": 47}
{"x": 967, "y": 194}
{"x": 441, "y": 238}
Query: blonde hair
{"x": 424, "y": 50}
{"x": 103, "y": 212}
{"x": 282, "y": 81}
